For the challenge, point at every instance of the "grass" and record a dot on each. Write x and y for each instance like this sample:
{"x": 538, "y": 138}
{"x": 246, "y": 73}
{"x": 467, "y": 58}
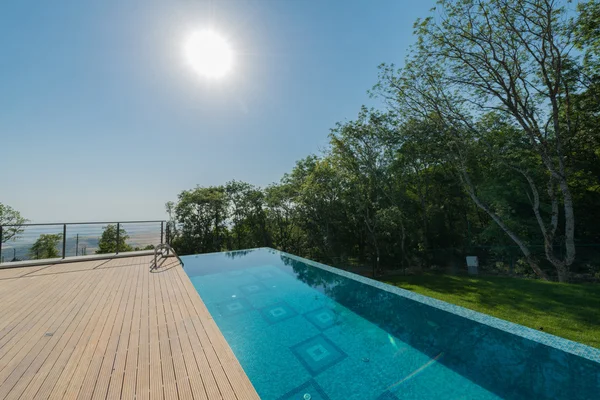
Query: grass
{"x": 571, "y": 311}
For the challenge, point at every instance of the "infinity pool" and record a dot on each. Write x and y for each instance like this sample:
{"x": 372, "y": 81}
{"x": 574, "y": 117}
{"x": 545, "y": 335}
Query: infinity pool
{"x": 303, "y": 330}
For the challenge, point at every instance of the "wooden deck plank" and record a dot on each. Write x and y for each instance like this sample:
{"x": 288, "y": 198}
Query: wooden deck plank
{"x": 213, "y": 360}
{"x": 194, "y": 368}
{"x": 19, "y": 306}
{"x": 208, "y": 378}
{"x": 132, "y": 354}
{"x": 11, "y": 273}
{"x": 15, "y": 327}
{"x": 25, "y": 335}
{"x": 43, "y": 345}
{"x": 69, "y": 267}
{"x": 216, "y": 346}
{"x": 168, "y": 369}
{"x": 142, "y": 388}
{"x": 117, "y": 331}
{"x": 12, "y": 293}
{"x": 76, "y": 366}
{"x": 156, "y": 380}
{"x": 183, "y": 384}
{"x": 11, "y": 289}
{"x": 105, "y": 377}
{"x": 50, "y": 367}
{"x": 90, "y": 380}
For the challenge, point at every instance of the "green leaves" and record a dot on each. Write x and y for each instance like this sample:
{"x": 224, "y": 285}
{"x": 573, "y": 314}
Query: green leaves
{"x": 108, "y": 241}
{"x": 10, "y": 216}
{"x": 46, "y": 246}
{"x": 487, "y": 111}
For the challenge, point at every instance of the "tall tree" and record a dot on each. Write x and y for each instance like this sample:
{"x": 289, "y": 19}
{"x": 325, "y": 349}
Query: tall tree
{"x": 202, "y": 217}
{"x": 513, "y": 59}
{"x": 108, "y": 240}
{"x": 11, "y": 217}
{"x": 283, "y": 217}
{"x": 587, "y": 35}
{"x": 172, "y": 222}
{"x": 247, "y": 215}
{"x": 46, "y": 246}
{"x": 364, "y": 153}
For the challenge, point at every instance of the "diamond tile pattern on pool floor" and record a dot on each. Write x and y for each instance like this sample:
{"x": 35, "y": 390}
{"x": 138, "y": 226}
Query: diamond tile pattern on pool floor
{"x": 311, "y": 388}
{"x": 317, "y": 354}
{"x": 322, "y": 318}
{"x": 277, "y": 312}
{"x": 234, "y": 306}
{"x": 253, "y": 288}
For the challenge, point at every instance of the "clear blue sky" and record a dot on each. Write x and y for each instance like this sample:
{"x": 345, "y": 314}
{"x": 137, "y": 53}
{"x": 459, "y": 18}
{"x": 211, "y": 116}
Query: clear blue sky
{"x": 102, "y": 119}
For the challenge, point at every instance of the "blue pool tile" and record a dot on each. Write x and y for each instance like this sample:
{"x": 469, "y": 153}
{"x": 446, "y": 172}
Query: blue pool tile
{"x": 252, "y": 288}
{"x": 264, "y": 273}
{"x": 310, "y": 388}
{"x": 277, "y": 312}
{"x": 317, "y": 354}
{"x": 387, "y": 395}
{"x": 322, "y": 318}
{"x": 398, "y": 344}
{"x": 234, "y": 306}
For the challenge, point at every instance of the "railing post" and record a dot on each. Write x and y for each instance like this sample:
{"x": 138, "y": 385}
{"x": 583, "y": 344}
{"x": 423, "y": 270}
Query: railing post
{"x": 64, "y": 240}
{"x": 1, "y": 238}
{"x": 162, "y": 227}
{"x": 118, "y": 229}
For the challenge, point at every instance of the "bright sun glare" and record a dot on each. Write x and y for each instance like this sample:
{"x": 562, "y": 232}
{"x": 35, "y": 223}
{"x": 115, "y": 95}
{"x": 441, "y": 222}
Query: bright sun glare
{"x": 209, "y": 54}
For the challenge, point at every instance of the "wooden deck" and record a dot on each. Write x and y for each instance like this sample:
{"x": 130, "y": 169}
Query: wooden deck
{"x": 110, "y": 329}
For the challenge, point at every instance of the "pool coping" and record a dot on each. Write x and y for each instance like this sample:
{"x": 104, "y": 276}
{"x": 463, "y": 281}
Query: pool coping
{"x": 566, "y": 345}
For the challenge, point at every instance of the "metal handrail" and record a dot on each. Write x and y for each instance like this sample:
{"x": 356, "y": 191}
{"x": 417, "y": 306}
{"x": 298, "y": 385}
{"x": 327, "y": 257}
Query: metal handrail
{"x": 87, "y": 223}
{"x": 64, "y": 230}
{"x": 159, "y": 250}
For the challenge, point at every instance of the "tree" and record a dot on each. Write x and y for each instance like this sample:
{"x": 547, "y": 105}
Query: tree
{"x": 108, "y": 240}
{"x": 282, "y": 216}
{"x": 488, "y": 143}
{"x": 246, "y": 212}
{"x": 587, "y": 35}
{"x": 10, "y": 216}
{"x": 147, "y": 247}
{"x": 171, "y": 223}
{"x": 365, "y": 155}
{"x": 46, "y": 246}
{"x": 201, "y": 214}
{"x": 513, "y": 60}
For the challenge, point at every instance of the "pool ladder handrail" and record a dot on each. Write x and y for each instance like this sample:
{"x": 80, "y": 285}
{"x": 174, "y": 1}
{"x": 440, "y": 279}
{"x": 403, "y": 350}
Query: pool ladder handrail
{"x": 163, "y": 249}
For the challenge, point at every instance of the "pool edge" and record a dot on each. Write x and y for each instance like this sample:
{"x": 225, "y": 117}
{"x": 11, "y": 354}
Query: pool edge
{"x": 250, "y": 391}
{"x": 559, "y": 343}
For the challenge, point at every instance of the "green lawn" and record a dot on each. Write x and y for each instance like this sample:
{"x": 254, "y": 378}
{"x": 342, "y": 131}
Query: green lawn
{"x": 567, "y": 310}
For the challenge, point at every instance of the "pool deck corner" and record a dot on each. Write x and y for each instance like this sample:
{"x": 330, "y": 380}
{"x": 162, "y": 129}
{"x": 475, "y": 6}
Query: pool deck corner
{"x": 112, "y": 329}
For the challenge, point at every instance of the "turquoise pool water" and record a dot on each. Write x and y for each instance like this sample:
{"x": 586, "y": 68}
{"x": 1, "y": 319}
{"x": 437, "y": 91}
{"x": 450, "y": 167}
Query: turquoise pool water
{"x": 305, "y": 331}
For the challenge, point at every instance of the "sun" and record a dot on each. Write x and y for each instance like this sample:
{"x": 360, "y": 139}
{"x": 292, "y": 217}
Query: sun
{"x": 209, "y": 54}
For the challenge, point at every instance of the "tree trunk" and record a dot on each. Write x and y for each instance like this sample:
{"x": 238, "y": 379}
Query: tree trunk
{"x": 524, "y": 249}
{"x": 405, "y": 262}
{"x": 563, "y": 274}
{"x": 535, "y": 267}
{"x": 569, "y": 222}
{"x": 560, "y": 264}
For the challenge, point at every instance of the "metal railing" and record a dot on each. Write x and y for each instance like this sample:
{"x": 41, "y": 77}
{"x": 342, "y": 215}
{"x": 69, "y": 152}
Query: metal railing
{"x": 163, "y": 250}
{"x": 68, "y": 239}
